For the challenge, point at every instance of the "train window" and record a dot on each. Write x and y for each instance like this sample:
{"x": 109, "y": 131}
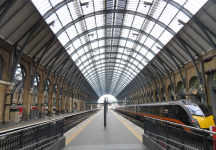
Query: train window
{"x": 157, "y": 110}
{"x": 205, "y": 110}
{"x": 194, "y": 110}
{"x": 148, "y": 109}
{"x": 171, "y": 112}
{"x": 160, "y": 110}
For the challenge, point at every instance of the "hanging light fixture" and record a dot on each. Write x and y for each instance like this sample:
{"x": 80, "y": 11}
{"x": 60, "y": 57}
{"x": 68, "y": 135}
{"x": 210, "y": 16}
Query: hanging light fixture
{"x": 147, "y": 4}
{"x": 84, "y": 4}
{"x": 181, "y": 22}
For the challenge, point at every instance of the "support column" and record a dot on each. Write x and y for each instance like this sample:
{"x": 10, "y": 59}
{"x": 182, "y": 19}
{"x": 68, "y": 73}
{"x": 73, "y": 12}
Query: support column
{"x": 50, "y": 104}
{"x": 5, "y": 88}
{"x": 58, "y": 104}
{"x": 63, "y": 100}
{"x": 175, "y": 95}
{"x": 27, "y": 93}
{"x": 57, "y": 101}
{"x": 165, "y": 96}
{"x": 186, "y": 92}
{"x": 41, "y": 96}
{"x": 159, "y": 98}
{"x": 70, "y": 105}
{"x": 66, "y": 104}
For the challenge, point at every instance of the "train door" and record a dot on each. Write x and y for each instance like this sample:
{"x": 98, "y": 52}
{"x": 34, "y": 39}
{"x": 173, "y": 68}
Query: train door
{"x": 137, "y": 109}
{"x": 160, "y": 111}
{"x": 181, "y": 115}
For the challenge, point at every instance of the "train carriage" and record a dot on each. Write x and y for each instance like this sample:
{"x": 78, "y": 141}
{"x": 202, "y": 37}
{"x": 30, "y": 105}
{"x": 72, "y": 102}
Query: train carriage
{"x": 186, "y": 112}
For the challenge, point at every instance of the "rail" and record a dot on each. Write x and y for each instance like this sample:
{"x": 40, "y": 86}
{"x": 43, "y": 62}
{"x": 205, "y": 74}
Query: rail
{"x": 190, "y": 136}
{"x": 42, "y": 122}
{"x": 31, "y": 134}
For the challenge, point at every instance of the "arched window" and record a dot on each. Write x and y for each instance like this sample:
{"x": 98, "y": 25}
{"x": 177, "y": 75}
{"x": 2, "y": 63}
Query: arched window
{"x": 35, "y": 91}
{"x": 46, "y": 98}
{"x": 170, "y": 93}
{"x": 152, "y": 96}
{"x": 157, "y": 100}
{"x": 194, "y": 89}
{"x": 181, "y": 90}
{"x": 162, "y": 95}
{"x": 19, "y": 84}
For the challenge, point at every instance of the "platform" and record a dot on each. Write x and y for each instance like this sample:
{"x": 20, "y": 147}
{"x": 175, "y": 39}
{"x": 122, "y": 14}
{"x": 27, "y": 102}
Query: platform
{"x": 118, "y": 135}
{"x": 35, "y": 121}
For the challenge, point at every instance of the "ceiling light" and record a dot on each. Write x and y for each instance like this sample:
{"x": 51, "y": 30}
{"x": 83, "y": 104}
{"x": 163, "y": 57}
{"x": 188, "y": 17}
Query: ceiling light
{"x": 68, "y": 49}
{"x": 134, "y": 34}
{"x": 92, "y": 35}
{"x": 52, "y": 23}
{"x": 181, "y": 22}
{"x": 147, "y": 3}
{"x": 84, "y": 4}
{"x": 158, "y": 47}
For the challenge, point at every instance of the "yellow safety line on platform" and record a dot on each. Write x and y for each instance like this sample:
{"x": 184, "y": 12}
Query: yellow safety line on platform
{"x": 76, "y": 133}
{"x": 129, "y": 128}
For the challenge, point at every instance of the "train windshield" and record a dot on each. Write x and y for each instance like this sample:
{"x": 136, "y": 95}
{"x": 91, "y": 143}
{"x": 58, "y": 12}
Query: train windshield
{"x": 194, "y": 110}
{"x": 205, "y": 110}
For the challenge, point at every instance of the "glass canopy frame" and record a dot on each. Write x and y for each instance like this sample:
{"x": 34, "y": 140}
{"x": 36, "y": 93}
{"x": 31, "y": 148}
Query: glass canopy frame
{"x": 112, "y": 41}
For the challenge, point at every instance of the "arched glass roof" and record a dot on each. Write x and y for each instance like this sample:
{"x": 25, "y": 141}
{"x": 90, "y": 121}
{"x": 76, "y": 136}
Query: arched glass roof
{"x": 112, "y": 41}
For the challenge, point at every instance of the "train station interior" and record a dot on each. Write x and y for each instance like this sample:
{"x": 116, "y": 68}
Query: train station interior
{"x": 59, "y": 59}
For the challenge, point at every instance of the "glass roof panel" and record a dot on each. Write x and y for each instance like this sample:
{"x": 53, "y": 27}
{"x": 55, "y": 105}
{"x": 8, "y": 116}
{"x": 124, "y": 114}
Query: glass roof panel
{"x": 64, "y": 15}
{"x": 116, "y": 44}
{"x": 63, "y": 38}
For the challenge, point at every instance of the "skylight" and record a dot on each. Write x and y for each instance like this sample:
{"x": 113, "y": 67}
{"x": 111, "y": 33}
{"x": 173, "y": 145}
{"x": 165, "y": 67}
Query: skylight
{"x": 112, "y": 47}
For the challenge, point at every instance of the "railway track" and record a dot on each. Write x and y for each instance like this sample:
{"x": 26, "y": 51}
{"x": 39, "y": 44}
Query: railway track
{"x": 135, "y": 120}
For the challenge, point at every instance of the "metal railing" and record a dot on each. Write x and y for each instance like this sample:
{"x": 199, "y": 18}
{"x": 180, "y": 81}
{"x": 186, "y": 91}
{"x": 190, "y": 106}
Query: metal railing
{"x": 28, "y": 136}
{"x": 180, "y": 136}
{"x": 164, "y": 142}
{"x": 19, "y": 138}
{"x": 44, "y": 144}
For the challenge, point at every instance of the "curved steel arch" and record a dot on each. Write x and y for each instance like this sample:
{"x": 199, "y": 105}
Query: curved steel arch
{"x": 114, "y": 26}
{"x": 90, "y": 75}
{"x": 101, "y": 71}
{"x": 59, "y": 5}
{"x": 108, "y": 62}
{"x": 134, "y": 51}
{"x": 104, "y": 38}
{"x": 112, "y": 66}
{"x": 92, "y": 80}
{"x": 118, "y": 38}
{"x": 169, "y": 1}
{"x": 96, "y": 84}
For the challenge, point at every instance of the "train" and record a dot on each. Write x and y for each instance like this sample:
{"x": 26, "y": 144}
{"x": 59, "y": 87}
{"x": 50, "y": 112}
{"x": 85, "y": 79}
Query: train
{"x": 185, "y": 112}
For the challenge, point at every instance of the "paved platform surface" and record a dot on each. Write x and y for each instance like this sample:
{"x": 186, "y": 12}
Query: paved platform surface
{"x": 34, "y": 121}
{"x": 93, "y": 136}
